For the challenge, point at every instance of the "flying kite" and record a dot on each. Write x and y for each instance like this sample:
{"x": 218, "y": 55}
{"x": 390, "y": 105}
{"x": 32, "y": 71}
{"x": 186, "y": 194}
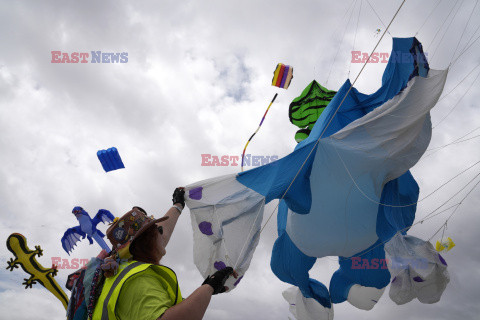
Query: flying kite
{"x": 345, "y": 191}
{"x": 305, "y": 110}
{"x": 110, "y": 159}
{"x": 87, "y": 228}
{"x": 25, "y": 258}
{"x": 282, "y": 76}
{"x": 446, "y": 245}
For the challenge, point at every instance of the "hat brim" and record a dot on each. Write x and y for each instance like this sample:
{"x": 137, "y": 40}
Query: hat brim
{"x": 146, "y": 227}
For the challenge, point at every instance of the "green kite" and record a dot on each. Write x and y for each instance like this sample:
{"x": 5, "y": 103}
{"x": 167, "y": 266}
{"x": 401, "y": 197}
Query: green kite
{"x": 305, "y": 110}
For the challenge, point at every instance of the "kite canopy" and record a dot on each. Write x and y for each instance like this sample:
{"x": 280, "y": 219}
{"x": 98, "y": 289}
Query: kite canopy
{"x": 282, "y": 76}
{"x": 110, "y": 159}
{"x": 87, "y": 228}
{"x": 345, "y": 191}
{"x": 305, "y": 110}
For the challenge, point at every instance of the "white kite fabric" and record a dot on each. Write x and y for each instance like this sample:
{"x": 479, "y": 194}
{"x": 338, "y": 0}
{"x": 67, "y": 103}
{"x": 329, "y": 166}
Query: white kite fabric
{"x": 418, "y": 271}
{"x": 226, "y": 219}
{"x": 305, "y": 308}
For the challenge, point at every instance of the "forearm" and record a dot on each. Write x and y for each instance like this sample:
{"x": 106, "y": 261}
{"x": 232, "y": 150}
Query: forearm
{"x": 193, "y": 307}
{"x": 170, "y": 223}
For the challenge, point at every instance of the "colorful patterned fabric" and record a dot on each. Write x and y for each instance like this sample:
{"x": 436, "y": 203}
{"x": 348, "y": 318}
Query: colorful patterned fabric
{"x": 305, "y": 110}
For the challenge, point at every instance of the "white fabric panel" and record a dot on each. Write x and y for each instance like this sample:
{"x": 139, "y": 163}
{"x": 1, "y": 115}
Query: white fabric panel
{"x": 364, "y": 298}
{"x": 306, "y": 308}
{"x": 357, "y": 161}
{"x": 226, "y": 218}
{"x": 417, "y": 270}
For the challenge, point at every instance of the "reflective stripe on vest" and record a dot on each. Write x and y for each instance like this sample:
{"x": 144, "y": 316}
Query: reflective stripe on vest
{"x": 112, "y": 286}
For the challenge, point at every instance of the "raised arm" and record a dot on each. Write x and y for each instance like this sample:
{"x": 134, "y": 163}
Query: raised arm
{"x": 173, "y": 213}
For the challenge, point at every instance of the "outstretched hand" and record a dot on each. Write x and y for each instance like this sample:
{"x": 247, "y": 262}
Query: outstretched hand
{"x": 179, "y": 196}
{"x": 218, "y": 279}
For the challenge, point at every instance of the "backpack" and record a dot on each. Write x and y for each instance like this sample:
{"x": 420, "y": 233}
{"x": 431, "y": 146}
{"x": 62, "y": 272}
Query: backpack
{"x": 86, "y": 285}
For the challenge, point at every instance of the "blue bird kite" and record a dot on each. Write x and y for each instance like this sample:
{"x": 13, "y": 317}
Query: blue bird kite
{"x": 87, "y": 228}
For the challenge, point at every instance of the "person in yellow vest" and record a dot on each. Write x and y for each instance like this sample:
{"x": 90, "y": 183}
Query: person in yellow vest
{"x": 139, "y": 287}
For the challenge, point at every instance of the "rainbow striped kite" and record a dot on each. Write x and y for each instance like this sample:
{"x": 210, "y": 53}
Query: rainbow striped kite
{"x": 282, "y": 76}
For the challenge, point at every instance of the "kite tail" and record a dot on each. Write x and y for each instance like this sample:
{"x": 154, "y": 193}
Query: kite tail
{"x": 261, "y": 122}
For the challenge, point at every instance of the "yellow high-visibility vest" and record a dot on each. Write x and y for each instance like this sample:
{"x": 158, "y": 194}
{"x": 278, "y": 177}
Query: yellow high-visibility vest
{"x": 106, "y": 303}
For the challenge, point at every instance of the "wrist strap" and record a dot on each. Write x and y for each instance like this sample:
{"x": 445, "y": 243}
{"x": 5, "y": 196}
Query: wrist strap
{"x": 178, "y": 208}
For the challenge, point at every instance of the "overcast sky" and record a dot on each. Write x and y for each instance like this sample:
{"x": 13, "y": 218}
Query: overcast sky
{"x": 197, "y": 81}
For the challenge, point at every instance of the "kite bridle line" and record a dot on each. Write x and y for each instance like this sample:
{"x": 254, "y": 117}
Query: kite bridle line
{"x": 341, "y": 42}
{"x": 427, "y": 217}
{"x": 466, "y": 48}
{"x": 399, "y": 206}
{"x": 354, "y": 38}
{"x": 431, "y": 214}
{"x": 463, "y": 32}
{"x": 334, "y": 34}
{"x": 456, "y": 141}
{"x": 457, "y": 206}
{"x": 438, "y": 30}
{"x": 428, "y": 17}
{"x": 458, "y": 101}
{"x": 445, "y": 33}
{"x": 370, "y": 5}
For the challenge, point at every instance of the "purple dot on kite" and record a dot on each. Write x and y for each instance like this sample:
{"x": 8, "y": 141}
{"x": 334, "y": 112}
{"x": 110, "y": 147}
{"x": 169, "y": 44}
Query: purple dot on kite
{"x": 418, "y": 279}
{"x": 219, "y": 265}
{"x": 442, "y": 260}
{"x": 236, "y": 282}
{"x": 206, "y": 228}
{"x": 195, "y": 194}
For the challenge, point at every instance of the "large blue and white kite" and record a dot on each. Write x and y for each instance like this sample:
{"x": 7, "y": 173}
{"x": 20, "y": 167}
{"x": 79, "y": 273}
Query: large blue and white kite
{"x": 352, "y": 196}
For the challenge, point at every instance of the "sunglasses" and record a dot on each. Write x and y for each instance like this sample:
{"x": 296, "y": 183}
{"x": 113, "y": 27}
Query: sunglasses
{"x": 160, "y": 229}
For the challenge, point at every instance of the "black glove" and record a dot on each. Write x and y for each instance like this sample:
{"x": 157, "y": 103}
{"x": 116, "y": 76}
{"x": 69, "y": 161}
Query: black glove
{"x": 217, "y": 280}
{"x": 179, "y": 196}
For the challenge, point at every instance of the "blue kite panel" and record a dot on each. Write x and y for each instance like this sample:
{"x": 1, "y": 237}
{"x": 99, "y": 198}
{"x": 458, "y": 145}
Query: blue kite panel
{"x": 110, "y": 159}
